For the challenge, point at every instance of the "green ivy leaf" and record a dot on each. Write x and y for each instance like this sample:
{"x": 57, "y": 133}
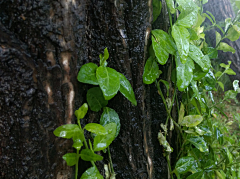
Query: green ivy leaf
{"x": 212, "y": 53}
{"x": 102, "y": 142}
{"x": 191, "y": 120}
{"x": 87, "y": 74}
{"x": 233, "y": 33}
{"x": 161, "y": 54}
{"x": 157, "y": 6}
{"x": 196, "y": 54}
{"x": 188, "y": 15}
{"x": 199, "y": 143}
{"x": 78, "y": 140}
{"x": 197, "y": 175}
{"x": 96, "y": 99}
{"x": 82, "y": 111}
{"x": 70, "y": 158}
{"x": 170, "y": 5}
{"x": 151, "y": 71}
{"x": 110, "y": 116}
{"x": 109, "y": 81}
{"x": 184, "y": 164}
{"x": 225, "y": 48}
{"x": 126, "y": 89}
{"x": 96, "y": 129}
{"x": 184, "y": 73}
{"x": 66, "y": 131}
{"x": 181, "y": 37}
{"x": 92, "y": 173}
{"x": 89, "y": 155}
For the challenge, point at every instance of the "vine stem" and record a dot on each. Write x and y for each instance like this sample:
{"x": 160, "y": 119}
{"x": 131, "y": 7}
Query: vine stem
{"x": 110, "y": 159}
{"x": 76, "y": 166}
{"x": 169, "y": 166}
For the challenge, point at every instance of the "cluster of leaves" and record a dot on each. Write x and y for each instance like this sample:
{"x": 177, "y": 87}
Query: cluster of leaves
{"x": 206, "y": 150}
{"x": 110, "y": 82}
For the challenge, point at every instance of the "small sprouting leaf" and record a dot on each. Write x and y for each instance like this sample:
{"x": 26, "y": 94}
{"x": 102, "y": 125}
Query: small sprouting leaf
{"x": 109, "y": 81}
{"x": 233, "y": 33}
{"x": 78, "y": 140}
{"x": 162, "y": 140}
{"x": 104, "y": 57}
{"x": 184, "y": 164}
{"x": 110, "y": 116}
{"x": 230, "y": 72}
{"x": 157, "y": 7}
{"x": 191, "y": 120}
{"x": 209, "y": 81}
{"x": 151, "y": 71}
{"x": 126, "y": 89}
{"x": 66, "y": 131}
{"x": 199, "y": 143}
{"x": 170, "y": 5}
{"x": 96, "y": 99}
{"x": 87, "y": 74}
{"x": 196, "y": 54}
{"x": 92, "y": 173}
{"x": 226, "y": 66}
{"x": 161, "y": 54}
{"x": 89, "y": 155}
{"x": 225, "y": 48}
{"x": 181, "y": 37}
{"x": 212, "y": 53}
{"x": 181, "y": 114}
{"x": 96, "y": 129}
{"x": 197, "y": 175}
{"x": 184, "y": 73}
{"x": 70, "y": 158}
{"x": 102, "y": 142}
{"x": 188, "y": 15}
{"x": 82, "y": 111}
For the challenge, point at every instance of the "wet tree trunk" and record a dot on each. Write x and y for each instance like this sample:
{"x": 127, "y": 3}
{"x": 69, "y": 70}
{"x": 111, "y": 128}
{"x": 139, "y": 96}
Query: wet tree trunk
{"x": 43, "y": 44}
{"x": 222, "y": 9}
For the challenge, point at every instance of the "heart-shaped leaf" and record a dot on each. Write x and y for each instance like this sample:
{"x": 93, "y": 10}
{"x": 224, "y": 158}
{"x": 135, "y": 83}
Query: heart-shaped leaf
{"x": 110, "y": 116}
{"x": 181, "y": 37}
{"x": 184, "y": 164}
{"x": 89, "y": 155}
{"x": 96, "y": 129}
{"x": 109, "y": 81}
{"x": 70, "y": 158}
{"x": 151, "y": 71}
{"x": 87, "y": 74}
{"x": 161, "y": 54}
{"x": 126, "y": 89}
{"x": 66, "y": 131}
{"x": 92, "y": 173}
{"x": 96, "y": 99}
{"x": 82, "y": 111}
{"x": 102, "y": 142}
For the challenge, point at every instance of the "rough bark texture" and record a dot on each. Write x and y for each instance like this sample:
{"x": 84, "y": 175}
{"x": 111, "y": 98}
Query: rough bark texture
{"x": 222, "y": 9}
{"x": 43, "y": 44}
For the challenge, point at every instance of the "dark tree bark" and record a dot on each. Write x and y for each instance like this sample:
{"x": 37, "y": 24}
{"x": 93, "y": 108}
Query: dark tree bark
{"x": 43, "y": 44}
{"x": 222, "y": 9}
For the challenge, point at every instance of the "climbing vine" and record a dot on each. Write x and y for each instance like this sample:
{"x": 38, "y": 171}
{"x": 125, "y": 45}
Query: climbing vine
{"x": 207, "y": 150}
{"x": 110, "y": 82}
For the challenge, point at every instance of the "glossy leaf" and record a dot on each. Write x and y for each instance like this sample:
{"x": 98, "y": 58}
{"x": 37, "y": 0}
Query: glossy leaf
{"x": 110, "y": 116}
{"x": 225, "y": 48}
{"x": 184, "y": 73}
{"x": 92, "y": 173}
{"x": 181, "y": 114}
{"x": 212, "y": 53}
{"x": 89, "y": 155}
{"x": 151, "y": 71}
{"x": 199, "y": 143}
{"x": 70, "y": 158}
{"x": 191, "y": 120}
{"x": 87, "y": 74}
{"x": 96, "y": 99}
{"x": 218, "y": 135}
{"x": 161, "y": 54}
{"x": 196, "y": 54}
{"x": 209, "y": 81}
{"x": 233, "y": 33}
{"x": 184, "y": 164}
{"x": 104, "y": 57}
{"x": 162, "y": 140}
{"x": 126, "y": 89}
{"x": 78, "y": 140}
{"x": 82, "y": 111}
{"x": 157, "y": 6}
{"x": 102, "y": 142}
{"x": 66, "y": 131}
{"x": 188, "y": 15}
{"x": 96, "y": 129}
{"x": 181, "y": 37}
{"x": 109, "y": 81}
{"x": 198, "y": 73}
{"x": 170, "y": 5}
{"x": 197, "y": 175}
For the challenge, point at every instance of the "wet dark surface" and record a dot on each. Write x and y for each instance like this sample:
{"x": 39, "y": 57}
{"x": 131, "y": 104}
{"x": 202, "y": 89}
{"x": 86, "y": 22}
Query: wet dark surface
{"x": 43, "y": 44}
